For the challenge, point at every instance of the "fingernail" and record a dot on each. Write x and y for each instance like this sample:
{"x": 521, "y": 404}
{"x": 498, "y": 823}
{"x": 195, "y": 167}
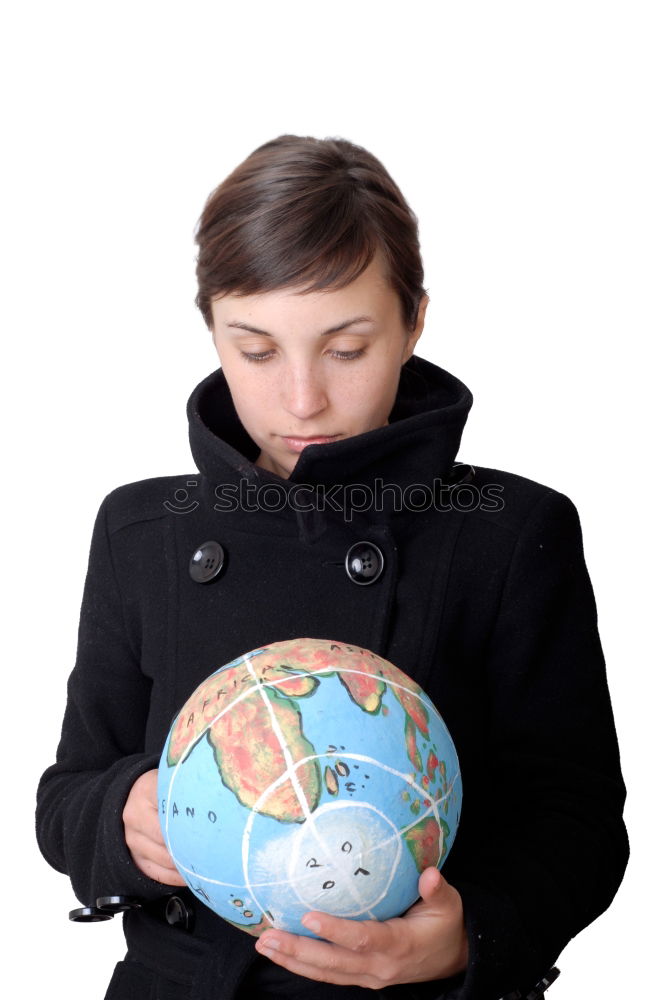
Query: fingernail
{"x": 268, "y": 945}
{"x": 312, "y": 924}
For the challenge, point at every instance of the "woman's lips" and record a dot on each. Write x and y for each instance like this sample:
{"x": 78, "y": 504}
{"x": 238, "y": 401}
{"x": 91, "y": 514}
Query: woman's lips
{"x": 297, "y": 444}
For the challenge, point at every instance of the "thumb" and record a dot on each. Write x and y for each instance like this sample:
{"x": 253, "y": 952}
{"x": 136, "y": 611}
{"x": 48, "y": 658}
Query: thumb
{"x": 433, "y": 887}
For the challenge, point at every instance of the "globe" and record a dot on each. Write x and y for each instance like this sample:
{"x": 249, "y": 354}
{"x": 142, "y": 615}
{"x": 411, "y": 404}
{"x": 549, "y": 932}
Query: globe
{"x": 308, "y": 774}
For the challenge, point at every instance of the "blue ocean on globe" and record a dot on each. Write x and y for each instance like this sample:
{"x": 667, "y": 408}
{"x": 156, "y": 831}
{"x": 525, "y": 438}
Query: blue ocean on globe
{"x": 306, "y": 775}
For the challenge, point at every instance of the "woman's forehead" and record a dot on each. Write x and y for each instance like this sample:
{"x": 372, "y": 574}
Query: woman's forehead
{"x": 368, "y": 298}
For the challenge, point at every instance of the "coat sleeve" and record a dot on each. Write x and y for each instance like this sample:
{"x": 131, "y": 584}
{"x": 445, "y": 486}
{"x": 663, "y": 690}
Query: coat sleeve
{"x": 81, "y": 796}
{"x": 550, "y": 848}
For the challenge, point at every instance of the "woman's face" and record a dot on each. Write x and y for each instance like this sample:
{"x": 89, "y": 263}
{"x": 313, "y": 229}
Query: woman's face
{"x": 312, "y": 368}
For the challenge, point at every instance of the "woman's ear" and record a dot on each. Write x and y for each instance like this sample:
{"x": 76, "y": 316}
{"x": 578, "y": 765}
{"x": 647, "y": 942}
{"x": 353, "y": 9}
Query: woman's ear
{"x": 417, "y": 330}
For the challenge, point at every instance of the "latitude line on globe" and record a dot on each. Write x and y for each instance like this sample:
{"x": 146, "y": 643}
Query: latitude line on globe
{"x": 305, "y": 878}
{"x": 404, "y": 776}
{"x": 363, "y": 758}
{"x": 278, "y": 681}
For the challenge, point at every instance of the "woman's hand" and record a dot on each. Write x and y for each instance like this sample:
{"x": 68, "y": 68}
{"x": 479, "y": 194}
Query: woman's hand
{"x": 428, "y": 942}
{"x": 143, "y": 834}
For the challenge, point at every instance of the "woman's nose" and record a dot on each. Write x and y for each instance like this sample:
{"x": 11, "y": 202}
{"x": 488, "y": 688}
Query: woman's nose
{"x": 303, "y": 393}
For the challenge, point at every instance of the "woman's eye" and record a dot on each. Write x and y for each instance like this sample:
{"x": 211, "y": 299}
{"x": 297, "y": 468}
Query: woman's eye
{"x": 259, "y": 356}
{"x": 348, "y": 355}
{"x": 256, "y": 356}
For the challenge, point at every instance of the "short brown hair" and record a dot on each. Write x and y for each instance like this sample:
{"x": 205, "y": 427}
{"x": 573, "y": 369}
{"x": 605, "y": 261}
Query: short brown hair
{"x": 306, "y": 211}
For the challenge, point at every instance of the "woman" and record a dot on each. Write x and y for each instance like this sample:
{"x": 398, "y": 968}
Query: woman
{"x": 328, "y": 504}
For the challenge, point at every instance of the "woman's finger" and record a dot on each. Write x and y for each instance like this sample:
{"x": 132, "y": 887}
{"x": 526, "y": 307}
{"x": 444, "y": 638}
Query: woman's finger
{"x": 313, "y": 959}
{"x": 360, "y": 936}
{"x": 141, "y": 846}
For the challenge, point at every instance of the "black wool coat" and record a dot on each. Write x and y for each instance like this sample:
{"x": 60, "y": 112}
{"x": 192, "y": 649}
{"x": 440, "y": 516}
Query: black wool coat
{"x": 484, "y": 598}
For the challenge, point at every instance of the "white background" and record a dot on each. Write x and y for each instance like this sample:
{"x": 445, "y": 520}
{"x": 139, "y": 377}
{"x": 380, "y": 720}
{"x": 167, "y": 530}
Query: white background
{"x": 530, "y": 139}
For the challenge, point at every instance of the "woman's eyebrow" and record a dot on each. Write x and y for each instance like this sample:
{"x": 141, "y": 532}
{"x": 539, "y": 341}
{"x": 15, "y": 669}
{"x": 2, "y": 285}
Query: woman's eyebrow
{"x": 333, "y": 329}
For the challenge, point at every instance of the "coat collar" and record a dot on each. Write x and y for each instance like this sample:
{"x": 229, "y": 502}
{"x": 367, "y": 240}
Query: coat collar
{"x": 420, "y": 441}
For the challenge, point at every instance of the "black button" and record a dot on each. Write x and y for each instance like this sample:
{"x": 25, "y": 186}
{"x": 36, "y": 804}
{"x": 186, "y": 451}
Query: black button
{"x": 206, "y": 562}
{"x": 364, "y": 563}
{"x": 538, "y": 991}
{"x": 118, "y": 904}
{"x": 461, "y": 473}
{"x": 179, "y": 914}
{"x": 89, "y": 914}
